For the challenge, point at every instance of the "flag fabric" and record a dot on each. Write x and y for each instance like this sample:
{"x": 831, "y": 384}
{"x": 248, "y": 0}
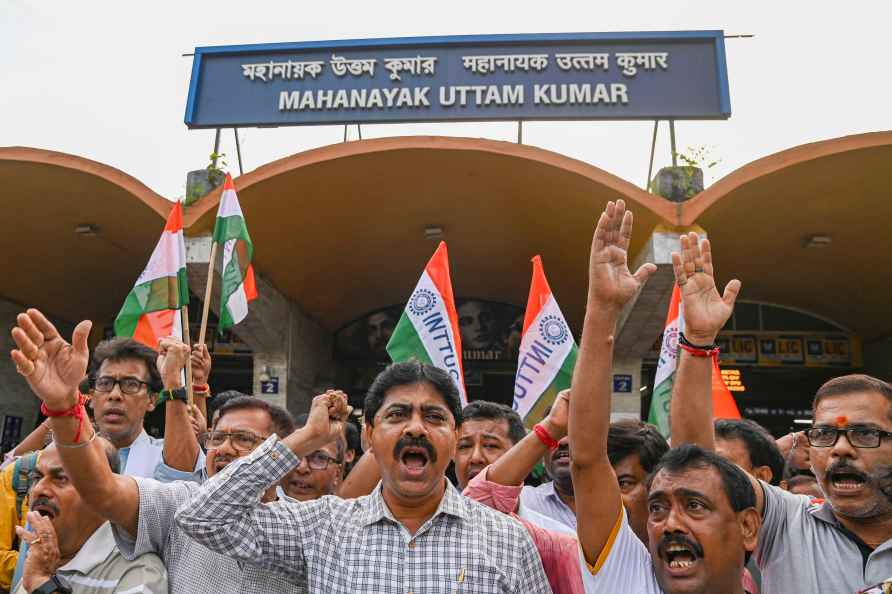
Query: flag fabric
{"x": 547, "y": 351}
{"x": 723, "y": 404}
{"x": 428, "y": 328}
{"x": 152, "y": 309}
{"x": 230, "y": 230}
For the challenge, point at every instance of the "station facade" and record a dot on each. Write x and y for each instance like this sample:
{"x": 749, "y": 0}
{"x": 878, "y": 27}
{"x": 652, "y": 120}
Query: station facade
{"x": 342, "y": 233}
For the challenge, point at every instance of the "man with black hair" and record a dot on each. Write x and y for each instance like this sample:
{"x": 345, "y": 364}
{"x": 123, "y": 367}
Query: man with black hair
{"x": 842, "y": 544}
{"x": 488, "y": 430}
{"x": 70, "y": 545}
{"x": 750, "y": 446}
{"x": 319, "y": 473}
{"x": 701, "y": 521}
{"x": 141, "y": 510}
{"x": 414, "y": 533}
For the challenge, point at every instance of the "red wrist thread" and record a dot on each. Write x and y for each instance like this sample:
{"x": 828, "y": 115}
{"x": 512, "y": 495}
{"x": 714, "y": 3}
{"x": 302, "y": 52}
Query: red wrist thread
{"x": 201, "y": 388}
{"x": 77, "y": 411}
{"x": 713, "y": 353}
{"x": 545, "y": 437}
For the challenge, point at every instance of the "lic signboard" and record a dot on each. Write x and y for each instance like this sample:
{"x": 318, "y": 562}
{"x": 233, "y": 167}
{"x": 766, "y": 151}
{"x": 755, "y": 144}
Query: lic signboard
{"x": 588, "y": 76}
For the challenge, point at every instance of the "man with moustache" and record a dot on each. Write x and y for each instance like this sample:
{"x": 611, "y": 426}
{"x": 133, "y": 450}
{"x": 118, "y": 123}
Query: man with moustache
{"x": 701, "y": 516}
{"x": 318, "y": 474}
{"x": 488, "y": 430}
{"x": 141, "y": 510}
{"x": 414, "y": 533}
{"x": 842, "y": 544}
{"x": 72, "y": 548}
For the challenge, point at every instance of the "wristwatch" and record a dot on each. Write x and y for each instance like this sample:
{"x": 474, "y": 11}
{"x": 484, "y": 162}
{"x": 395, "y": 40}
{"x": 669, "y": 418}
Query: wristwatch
{"x": 55, "y": 584}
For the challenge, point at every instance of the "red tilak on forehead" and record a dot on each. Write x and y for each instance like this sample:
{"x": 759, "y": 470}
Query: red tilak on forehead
{"x": 842, "y": 421}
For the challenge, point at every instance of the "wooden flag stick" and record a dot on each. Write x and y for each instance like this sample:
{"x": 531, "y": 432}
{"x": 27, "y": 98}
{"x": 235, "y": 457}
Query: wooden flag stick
{"x": 188, "y": 341}
{"x": 207, "y": 295}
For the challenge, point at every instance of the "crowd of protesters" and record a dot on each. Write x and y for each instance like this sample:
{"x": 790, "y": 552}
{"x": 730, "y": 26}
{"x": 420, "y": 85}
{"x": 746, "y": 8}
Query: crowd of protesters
{"x": 244, "y": 498}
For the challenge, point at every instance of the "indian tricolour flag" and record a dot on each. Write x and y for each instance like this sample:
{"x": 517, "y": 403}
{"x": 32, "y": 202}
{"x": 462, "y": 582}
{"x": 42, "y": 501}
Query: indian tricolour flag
{"x": 723, "y": 404}
{"x": 428, "y": 328}
{"x": 662, "y": 394}
{"x": 547, "y": 351}
{"x": 231, "y": 232}
{"x": 152, "y": 309}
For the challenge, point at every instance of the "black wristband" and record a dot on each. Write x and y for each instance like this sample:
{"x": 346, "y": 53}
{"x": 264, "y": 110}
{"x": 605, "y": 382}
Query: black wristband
{"x": 682, "y": 339}
{"x": 179, "y": 394}
{"x": 55, "y": 584}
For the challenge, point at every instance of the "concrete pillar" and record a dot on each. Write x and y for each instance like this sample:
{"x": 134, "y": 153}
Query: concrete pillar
{"x": 292, "y": 352}
{"x": 642, "y": 320}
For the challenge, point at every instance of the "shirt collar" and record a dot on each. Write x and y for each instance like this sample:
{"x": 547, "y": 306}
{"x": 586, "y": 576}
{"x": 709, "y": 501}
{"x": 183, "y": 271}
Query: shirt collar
{"x": 94, "y": 551}
{"x": 452, "y": 503}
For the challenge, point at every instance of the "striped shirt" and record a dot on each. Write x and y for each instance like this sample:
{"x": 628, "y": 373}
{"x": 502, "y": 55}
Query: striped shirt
{"x": 545, "y": 500}
{"x": 99, "y": 568}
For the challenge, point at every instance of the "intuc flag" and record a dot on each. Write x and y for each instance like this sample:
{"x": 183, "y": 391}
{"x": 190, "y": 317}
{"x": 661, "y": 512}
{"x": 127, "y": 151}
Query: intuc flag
{"x": 238, "y": 284}
{"x": 428, "y": 328}
{"x": 547, "y": 351}
{"x": 152, "y": 309}
{"x": 723, "y": 405}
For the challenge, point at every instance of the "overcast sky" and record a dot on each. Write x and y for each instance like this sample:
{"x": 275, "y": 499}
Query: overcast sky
{"x": 106, "y": 80}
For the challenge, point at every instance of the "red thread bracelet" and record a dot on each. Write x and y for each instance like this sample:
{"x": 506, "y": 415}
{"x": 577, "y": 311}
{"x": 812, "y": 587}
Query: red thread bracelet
{"x": 77, "y": 411}
{"x": 545, "y": 437}
{"x": 713, "y": 353}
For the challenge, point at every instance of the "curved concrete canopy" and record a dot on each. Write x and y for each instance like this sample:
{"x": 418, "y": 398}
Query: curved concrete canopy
{"x": 760, "y": 217}
{"x": 341, "y": 229}
{"x": 45, "y": 263}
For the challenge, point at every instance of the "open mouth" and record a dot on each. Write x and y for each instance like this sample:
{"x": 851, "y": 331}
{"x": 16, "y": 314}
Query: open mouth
{"x": 561, "y": 456}
{"x": 474, "y": 471}
{"x": 47, "y": 511}
{"x": 415, "y": 460}
{"x": 680, "y": 556}
{"x": 847, "y": 480}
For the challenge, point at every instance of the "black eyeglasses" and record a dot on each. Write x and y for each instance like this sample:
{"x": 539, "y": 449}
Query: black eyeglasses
{"x": 129, "y": 385}
{"x": 859, "y": 437}
{"x": 242, "y": 441}
{"x": 320, "y": 460}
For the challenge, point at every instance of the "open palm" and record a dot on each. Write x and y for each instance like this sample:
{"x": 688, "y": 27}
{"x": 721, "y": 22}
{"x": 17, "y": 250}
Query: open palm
{"x": 52, "y": 367}
{"x": 611, "y": 284}
{"x": 705, "y": 311}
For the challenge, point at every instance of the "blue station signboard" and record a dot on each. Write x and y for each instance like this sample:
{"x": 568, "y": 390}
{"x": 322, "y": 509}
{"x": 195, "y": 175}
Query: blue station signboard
{"x": 591, "y": 76}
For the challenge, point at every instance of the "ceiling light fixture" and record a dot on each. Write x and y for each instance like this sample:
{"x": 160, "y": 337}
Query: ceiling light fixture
{"x": 432, "y": 232}
{"x": 817, "y": 241}
{"x": 86, "y": 229}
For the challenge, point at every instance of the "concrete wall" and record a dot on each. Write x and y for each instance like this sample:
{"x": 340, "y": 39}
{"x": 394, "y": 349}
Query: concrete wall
{"x": 16, "y": 398}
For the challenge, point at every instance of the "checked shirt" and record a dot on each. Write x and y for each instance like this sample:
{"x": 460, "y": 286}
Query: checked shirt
{"x": 356, "y": 546}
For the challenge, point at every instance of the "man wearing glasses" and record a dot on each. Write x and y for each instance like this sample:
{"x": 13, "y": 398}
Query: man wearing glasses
{"x": 141, "y": 510}
{"x": 318, "y": 474}
{"x": 124, "y": 382}
{"x": 843, "y": 544}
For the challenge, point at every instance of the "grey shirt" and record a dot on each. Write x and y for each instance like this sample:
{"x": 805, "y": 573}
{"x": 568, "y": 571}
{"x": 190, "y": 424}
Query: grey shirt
{"x": 804, "y": 548}
{"x": 191, "y": 567}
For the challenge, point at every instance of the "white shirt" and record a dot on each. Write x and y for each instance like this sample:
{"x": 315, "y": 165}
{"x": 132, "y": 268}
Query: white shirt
{"x": 142, "y": 456}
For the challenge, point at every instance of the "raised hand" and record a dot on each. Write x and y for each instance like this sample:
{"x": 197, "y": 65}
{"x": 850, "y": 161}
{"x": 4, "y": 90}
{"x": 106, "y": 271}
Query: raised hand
{"x": 200, "y": 360}
{"x": 325, "y": 422}
{"x": 556, "y": 421}
{"x": 705, "y": 311}
{"x": 611, "y": 284}
{"x": 52, "y": 367}
{"x": 172, "y": 356}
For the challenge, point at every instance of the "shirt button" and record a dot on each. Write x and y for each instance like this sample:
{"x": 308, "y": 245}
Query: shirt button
{"x": 411, "y": 546}
{"x": 274, "y": 455}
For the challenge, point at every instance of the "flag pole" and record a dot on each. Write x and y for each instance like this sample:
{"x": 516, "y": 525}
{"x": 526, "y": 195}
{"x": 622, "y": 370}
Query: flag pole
{"x": 207, "y": 295}
{"x": 188, "y": 341}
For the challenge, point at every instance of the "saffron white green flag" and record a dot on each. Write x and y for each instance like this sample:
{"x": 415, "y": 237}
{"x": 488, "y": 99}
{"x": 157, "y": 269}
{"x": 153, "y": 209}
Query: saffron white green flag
{"x": 428, "y": 328}
{"x": 152, "y": 309}
{"x": 665, "y": 378}
{"x": 231, "y": 232}
{"x": 547, "y": 351}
